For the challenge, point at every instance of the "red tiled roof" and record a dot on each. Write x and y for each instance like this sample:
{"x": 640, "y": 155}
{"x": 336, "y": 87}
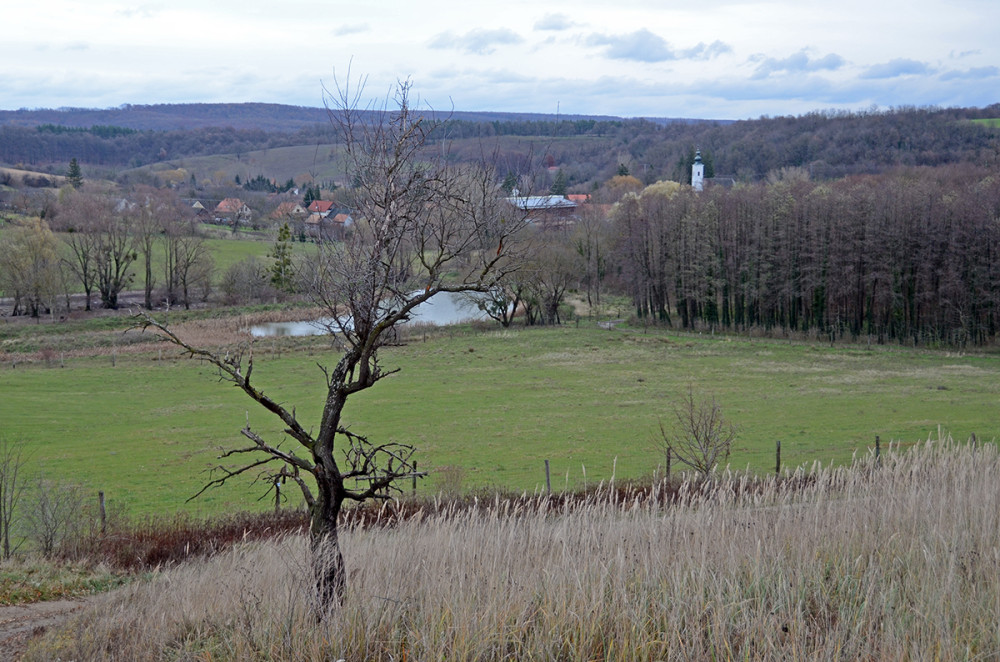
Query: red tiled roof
{"x": 320, "y": 206}
{"x": 229, "y": 205}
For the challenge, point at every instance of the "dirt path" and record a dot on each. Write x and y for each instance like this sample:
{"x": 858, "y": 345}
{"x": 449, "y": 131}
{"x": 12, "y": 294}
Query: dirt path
{"x": 20, "y": 623}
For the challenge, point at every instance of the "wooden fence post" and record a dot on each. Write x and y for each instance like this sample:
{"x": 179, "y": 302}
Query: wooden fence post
{"x": 669, "y": 452}
{"x": 104, "y": 512}
{"x": 878, "y": 450}
{"x": 414, "y": 476}
{"x": 548, "y": 480}
{"x": 777, "y": 459}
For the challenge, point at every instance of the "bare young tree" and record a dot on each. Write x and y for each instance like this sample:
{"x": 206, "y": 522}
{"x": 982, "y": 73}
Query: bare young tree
{"x": 12, "y": 484}
{"x": 702, "y": 436}
{"x": 424, "y": 226}
{"x": 54, "y": 514}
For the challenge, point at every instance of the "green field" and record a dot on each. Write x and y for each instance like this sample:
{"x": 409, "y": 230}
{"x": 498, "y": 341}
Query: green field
{"x": 299, "y": 162}
{"x": 493, "y": 406}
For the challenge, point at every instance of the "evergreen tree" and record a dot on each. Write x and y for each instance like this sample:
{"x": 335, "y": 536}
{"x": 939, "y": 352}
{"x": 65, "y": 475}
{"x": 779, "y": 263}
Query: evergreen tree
{"x": 74, "y": 175}
{"x": 559, "y": 185}
{"x": 622, "y": 169}
{"x": 281, "y": 270}
{"x": 509, "y": 183}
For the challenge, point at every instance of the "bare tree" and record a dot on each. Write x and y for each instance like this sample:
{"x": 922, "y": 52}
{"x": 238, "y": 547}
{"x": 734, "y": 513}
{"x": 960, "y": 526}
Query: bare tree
{"x": 80, "y": 217}
{"x": 115, "y": 252}
{"x": 11, "y": 489}
{"x": 424, "y": 226}
{"x": 702, "y": 436}
{"x": 54, "y": 514}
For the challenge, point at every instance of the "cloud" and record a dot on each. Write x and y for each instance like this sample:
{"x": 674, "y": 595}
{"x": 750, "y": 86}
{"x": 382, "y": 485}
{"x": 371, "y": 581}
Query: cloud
{"x": 554, "y": 22}
{"x": 896, "y": 68}
{"x": 976, "y": 73}
{"x": 477, "y": 42}
{"x": 640, "y": 46}
{"x": 355, "y": 28}
{"x": 644, "y": 46}
{"x": 797, "y": 63}
{"x": 705, "y": 52}
{"x": 141, "y": 11}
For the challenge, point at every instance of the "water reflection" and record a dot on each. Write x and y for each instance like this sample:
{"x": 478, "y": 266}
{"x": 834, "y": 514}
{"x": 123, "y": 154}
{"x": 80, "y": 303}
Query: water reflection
{"x": 440, "y": 310}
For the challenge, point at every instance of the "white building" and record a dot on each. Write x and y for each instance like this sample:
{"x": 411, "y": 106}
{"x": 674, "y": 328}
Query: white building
{"x": 698, "y": 173}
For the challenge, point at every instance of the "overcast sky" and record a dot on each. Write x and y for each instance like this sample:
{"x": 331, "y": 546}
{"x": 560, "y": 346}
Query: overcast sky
{"x": 728, "y": 59}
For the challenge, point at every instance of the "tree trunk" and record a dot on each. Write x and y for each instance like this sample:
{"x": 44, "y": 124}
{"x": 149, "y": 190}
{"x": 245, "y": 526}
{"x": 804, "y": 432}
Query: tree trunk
{"x": 327, "y": 561}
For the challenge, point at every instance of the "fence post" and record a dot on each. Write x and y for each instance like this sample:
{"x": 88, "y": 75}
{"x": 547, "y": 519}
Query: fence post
{"x": 669, "y": 452}
{"x": 777, "y": 458}
{"x": 548, "y": 480}
{"x": 104, "y": 512}
{"x": 973, "y": 442}
{"x": 878, "y": 450}
{"x": 414, "y": 476}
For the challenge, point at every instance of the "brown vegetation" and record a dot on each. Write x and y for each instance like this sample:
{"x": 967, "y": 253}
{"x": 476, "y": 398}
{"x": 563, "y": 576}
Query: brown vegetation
{"x": 869, "y": 562}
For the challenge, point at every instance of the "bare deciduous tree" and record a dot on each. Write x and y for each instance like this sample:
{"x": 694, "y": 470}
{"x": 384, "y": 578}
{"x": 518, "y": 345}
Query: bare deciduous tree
{"x": 424, "y": 226}
{"x": 702, "y": 436}
{"x": 11, "y": 489}
{"x": 54, "y": 514}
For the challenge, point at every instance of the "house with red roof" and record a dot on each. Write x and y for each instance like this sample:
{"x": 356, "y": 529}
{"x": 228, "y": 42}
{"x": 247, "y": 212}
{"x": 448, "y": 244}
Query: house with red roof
{"x": 322, "y": 207}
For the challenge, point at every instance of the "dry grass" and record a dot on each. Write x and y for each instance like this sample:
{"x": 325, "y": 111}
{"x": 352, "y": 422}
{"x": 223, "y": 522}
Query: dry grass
{"x": 899, "y": 561}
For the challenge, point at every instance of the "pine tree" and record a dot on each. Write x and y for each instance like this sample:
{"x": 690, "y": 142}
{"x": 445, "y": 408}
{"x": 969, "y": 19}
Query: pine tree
{"x": 74, "y": 175}
{"x": 281, "y": 270}
{"x": 509, "y": 183}
{"x": 559, "y": 185}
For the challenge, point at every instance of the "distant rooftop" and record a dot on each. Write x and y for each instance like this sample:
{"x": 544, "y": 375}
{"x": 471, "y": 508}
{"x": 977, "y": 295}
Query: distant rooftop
{"x": 539, "y": 202}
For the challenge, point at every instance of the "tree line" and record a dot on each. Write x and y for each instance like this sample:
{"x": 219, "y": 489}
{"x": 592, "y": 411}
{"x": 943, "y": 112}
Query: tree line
{"x": 908, "y": 255}
{"x": 829, "y": 145}
{"x": 104, "y": 242}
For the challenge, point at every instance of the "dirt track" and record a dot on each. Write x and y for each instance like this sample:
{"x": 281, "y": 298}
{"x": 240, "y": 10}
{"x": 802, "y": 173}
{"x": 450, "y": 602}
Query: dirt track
{"x": 20, "y": 623}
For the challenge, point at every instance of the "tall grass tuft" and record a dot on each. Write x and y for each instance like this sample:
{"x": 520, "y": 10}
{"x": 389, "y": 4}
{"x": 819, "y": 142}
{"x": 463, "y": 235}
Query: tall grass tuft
{"x": 899, "y": 560}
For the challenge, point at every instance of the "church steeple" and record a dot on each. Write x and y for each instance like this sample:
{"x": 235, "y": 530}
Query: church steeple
{"x": 698, "y": 172}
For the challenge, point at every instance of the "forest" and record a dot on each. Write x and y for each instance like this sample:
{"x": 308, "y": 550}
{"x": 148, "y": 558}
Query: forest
{"x": 589, "y": 150}
{"x": 909, "y": 255}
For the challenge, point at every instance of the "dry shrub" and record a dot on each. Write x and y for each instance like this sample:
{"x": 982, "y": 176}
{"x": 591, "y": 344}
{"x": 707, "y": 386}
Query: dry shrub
{"x": 892, "y": 562}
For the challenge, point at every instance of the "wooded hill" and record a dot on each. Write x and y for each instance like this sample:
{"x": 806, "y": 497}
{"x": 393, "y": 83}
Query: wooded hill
{"x": 588, "y": 150}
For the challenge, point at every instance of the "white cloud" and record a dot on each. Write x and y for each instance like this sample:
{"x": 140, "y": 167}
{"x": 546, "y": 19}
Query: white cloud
{"x": 895, "y": 68}
{"x": 478, "y": 42}
{"x": 554, "y": 22}
{"x": 799, "y": 62}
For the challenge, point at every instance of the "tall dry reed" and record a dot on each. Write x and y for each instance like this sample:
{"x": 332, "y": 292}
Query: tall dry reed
{"x": 896, "y": 561}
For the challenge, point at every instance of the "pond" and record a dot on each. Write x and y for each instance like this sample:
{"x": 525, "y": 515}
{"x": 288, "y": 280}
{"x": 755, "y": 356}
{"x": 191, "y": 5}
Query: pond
{"x": 442, "y": 309}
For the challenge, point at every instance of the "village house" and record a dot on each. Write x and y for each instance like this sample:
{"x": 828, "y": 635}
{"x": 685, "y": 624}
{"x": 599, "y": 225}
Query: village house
{"x": 232, "y": 210}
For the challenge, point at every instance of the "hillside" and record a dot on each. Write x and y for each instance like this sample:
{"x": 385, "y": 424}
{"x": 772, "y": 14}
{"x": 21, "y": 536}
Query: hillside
{"x": 588, "y": 150}
{"x": 260, "y": 116}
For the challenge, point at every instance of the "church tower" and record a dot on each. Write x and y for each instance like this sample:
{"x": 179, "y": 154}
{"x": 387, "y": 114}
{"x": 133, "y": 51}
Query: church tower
{"x": 698, "y": 172}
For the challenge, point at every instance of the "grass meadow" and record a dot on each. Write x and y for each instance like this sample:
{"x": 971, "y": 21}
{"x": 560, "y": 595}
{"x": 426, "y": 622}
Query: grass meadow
{"x": 485, "y": 408}
{"x": 897, "y": 561}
